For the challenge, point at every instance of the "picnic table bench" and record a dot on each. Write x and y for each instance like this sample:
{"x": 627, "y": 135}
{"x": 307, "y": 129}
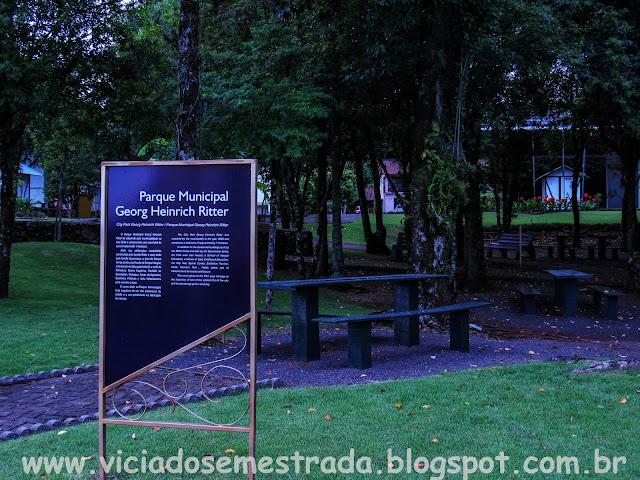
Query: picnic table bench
{"x": 513, "y": 241}
{"x": 528, "y": 299}
{"x": 359, "y": 329}
{"x": 612, "y": 300}
{"x": 305, "y": 334}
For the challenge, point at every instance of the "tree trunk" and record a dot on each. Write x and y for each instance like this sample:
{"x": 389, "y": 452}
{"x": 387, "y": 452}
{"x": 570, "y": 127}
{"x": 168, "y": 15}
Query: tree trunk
{"x": 379, "y": 241}
{"x": 188, "y": 80}
{"x": 575, "y": 208}
{"x": 59, "y": 204}
{"x": 9, "y": 167}
{"x": 297, "y": 208}
{"x": 476, "y": 277}
{"x": 322, "y": 246}
{"x": 431, "y": 242}
{"x": 12, "y": 113}
{"x": 283, "y": 210}
{"x": 271, "y": 249}
{"x": 337, "y": 254}
{"x": 630, "y": 200}
{"x": 579, "y": 144}
{"x": 496, "y": 194}
{"x": 364, "y": 208}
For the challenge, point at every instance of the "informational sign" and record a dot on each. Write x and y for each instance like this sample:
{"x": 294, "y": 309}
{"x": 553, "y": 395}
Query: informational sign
{"x": 177, "y": 258}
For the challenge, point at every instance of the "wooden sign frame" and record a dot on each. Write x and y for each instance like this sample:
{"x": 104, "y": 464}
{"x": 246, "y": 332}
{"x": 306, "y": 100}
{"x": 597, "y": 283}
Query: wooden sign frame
{"x": 247, "y": 219}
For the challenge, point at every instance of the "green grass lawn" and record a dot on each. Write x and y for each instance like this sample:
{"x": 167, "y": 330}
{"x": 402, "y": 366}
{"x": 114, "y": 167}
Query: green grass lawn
{"x": 394, "y": 223}
{"x": 50, "y": 319}
{"x": 538, "y": 409}
{"x": 562, "y": 218}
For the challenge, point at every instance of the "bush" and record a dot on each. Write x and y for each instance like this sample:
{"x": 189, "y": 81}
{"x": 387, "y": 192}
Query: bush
{"x": 26, "y": 208}
{"x": 545, "y": 204}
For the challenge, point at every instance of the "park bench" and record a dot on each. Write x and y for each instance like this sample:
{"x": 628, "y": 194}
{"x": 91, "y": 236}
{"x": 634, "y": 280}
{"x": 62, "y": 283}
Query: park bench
{"x": 511, "y": 241}
{"x": 399, "y": 248}
{"x": 612, "y": 300}
{"x": 359, "y": 329}
{"x": 528, "y": 299}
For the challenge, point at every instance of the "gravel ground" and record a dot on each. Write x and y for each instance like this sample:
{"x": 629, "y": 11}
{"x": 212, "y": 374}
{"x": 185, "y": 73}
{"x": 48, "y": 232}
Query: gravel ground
{"x": 493, "y": 346}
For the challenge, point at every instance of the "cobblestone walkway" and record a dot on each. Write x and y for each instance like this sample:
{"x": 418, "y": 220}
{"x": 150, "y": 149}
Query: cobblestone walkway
{"x": 41, "y": 401}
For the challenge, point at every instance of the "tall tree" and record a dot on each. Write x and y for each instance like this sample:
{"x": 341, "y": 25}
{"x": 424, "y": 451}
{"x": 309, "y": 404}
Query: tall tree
{"x": 50, "y": 51}
{"x": 13, "y": 102}
{"x": 189, "y": 65}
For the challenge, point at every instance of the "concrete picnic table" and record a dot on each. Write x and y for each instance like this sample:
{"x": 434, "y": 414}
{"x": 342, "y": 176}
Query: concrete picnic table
{"x": 305, "y": 334}
{"x": 566, "y": 289}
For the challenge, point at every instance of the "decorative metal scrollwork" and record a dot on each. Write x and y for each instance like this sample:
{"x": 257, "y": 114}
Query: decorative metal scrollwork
{"x": 175, "y": 388}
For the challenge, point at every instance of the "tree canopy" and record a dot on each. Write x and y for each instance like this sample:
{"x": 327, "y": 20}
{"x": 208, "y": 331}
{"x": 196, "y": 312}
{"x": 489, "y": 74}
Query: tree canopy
{"x": 321, "y": 92}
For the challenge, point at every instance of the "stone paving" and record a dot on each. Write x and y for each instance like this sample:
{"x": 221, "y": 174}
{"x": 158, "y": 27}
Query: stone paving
{"x": 53, "y": 399}
{"x": 33, "y": 404}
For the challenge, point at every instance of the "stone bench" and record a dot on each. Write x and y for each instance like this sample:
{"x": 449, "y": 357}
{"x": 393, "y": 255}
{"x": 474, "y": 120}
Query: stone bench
{"x": 528, "y": 299}
{"x": 359, "y": 329}
{"x": 612, "y": 300}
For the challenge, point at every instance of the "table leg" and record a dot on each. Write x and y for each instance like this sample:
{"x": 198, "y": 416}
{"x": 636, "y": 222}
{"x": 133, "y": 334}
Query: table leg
{"x": 568, "y": 289}
{"x": 406, "y": 329}
{"x": 305, "y": 334}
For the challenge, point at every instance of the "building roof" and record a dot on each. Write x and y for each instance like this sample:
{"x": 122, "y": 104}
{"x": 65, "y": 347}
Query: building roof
{"x": 393, "y": 168}
{"x": 556, "y": 170}
{"x": 29, "y": 171}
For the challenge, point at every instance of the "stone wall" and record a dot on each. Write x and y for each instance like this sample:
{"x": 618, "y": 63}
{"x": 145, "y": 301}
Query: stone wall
{"x": 88, "y": 231}
{"x": 77, "y": 231}
{"x": 285, "y": 244}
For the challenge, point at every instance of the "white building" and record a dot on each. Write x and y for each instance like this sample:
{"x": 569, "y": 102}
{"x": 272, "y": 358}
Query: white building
{"x": 387, "y": 193}
{"x": 558, "y": 184}
{"x": 31, "y": 183}
{"x": 615, "y": 190}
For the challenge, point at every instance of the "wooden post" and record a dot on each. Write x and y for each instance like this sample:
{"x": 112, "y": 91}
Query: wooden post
{"x": 520, "y": 245}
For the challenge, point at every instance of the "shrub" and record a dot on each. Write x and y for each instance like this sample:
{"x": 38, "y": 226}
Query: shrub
{"x": 542, "y": 204}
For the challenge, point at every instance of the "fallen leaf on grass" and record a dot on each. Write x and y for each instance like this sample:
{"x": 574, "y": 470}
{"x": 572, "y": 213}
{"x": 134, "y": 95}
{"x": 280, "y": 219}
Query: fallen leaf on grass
{"x": 623, "y": 400}
{"x": 155, "y": 429}
{"x": 229, "y": 450}
{"x": 62, "y": 432}
{"x": 328, "y": 416}
{"x": 398, "y": 405}
{"x": 435, "y": 440}
{"x": 541, "y": 389}
{"x": 310, "y": 410}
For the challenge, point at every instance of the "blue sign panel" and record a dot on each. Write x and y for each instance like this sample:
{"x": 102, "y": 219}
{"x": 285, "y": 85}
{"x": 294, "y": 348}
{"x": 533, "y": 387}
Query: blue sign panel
{"x": 177, "y": 240}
